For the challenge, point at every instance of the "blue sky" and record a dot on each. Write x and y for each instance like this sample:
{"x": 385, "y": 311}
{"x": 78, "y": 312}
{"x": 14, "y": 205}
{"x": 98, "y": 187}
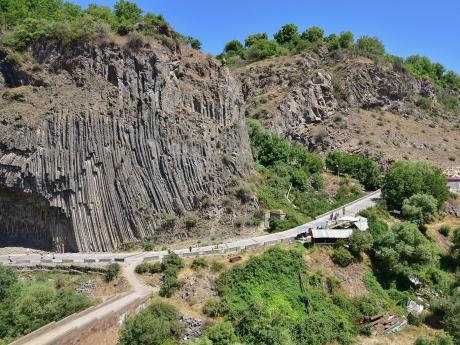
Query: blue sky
{"x": 406, "y": 27}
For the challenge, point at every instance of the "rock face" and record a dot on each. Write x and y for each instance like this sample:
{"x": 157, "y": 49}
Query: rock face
{"x": 325, "y": 100}
{"x": 97, "y": 144}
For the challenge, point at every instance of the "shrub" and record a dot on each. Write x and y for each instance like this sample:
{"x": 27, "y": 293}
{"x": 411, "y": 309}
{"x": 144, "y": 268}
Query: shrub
{"x": 424, "y": 103}
{"x": 15, "y": 58}
{"x": 213, "y": 308}
{"x": 198, "y": 263}
{"x": 191, "y": 221}
{"x": 217, "y": 266}
{"x": 371, "y": 47}
{"x": 112, "y": 271}
{"x": 346, "y": 39}
{"x": 220, "y": 334}
{"x": 148, "y": 246}
{"x": 415, "y": 320}
{"x": 342, "y": 257}
{"x": 169, "y": 220}
{"x": 135, "y": 41}
{"x": 245, "y": 193}
{"x": 171, "y": 265}
{"x": 444, "y": 230}
{"x": 157, "y": 324}
{"x": 420, "y": 209}
{"x": 142, "y": 268}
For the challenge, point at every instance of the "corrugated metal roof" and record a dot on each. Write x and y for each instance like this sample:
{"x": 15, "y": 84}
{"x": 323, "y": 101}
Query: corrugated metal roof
{"x": 362, "y": 225}
{"x": 331, "y": 233}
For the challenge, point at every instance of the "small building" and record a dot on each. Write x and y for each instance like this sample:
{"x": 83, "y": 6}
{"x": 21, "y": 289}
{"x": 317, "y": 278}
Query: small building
{"x": 329, "y": 236}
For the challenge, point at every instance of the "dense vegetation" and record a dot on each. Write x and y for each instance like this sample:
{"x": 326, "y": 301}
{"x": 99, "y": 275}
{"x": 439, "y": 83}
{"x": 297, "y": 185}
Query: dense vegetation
{"x": 272, "y": 299}
{"x": 362, "y": 168}
{"x": 157, "y": 324}
{"x": 26, "y": 305}
{"x": 28, "y": 21}
{"x": 288, "y": 40}
{"x": 407, "y": 178}
{"x": 287, "y": 168}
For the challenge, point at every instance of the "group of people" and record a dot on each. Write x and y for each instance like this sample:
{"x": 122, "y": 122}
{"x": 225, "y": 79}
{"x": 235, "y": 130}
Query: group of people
{"x": 335, "y": 215}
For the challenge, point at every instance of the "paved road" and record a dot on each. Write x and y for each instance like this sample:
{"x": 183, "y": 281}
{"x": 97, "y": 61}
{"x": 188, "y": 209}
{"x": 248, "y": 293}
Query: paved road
{"x": 229, "y": 247}
{"x": 49, "y": 334}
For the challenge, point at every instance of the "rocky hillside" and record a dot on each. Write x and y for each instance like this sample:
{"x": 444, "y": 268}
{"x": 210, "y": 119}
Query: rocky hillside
{"x": 345, "y": 101}
{"x": 98, "y": 143}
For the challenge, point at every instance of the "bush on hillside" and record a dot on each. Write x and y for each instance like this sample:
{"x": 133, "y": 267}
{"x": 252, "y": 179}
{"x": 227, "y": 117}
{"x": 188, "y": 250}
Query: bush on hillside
{"x": 213, "y": 308}
{"x": 158, "y": 324}
{"x": 112, "y": 271}
{"x": 444, "y": 230}
{"x": 371, "y": 47}
{"x": 342, "y": 257}
{"x": 198, "y": 263}
{"x": 420, "y": 209}
{"x": 171, "y": 266}
{"x": 220, "y": 334}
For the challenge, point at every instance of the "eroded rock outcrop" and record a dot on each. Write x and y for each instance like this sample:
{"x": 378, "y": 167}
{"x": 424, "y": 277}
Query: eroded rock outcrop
{"x": 102, "y": 142}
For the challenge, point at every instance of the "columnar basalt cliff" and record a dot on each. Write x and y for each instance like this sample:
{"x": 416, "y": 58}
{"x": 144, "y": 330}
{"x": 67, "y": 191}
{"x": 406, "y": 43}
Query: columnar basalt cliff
{"x": 98, "y": 143}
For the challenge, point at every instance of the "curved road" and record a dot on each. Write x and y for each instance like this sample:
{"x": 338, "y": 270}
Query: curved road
{"x": 51, "y": 333}
{"x": 229, "y": 247}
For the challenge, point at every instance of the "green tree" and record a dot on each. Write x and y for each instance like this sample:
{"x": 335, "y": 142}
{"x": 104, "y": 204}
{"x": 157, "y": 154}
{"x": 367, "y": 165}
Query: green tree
{"x": 251, "y": 39}
{"x": 313, "y": 34}
{"x": 264, "y": 49}
{"x": 287, "y": 34}
{"x": 420, "y": 209}
{"x": 127, "y": 11}
{"x": 403, "y": 250}
{"x": 234, "y": 47}
{"x": 193, "y": 42}
{"x": 370, "y": 46}
{"x": 346, "y": 39}
{"x": 406, "y": 178}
